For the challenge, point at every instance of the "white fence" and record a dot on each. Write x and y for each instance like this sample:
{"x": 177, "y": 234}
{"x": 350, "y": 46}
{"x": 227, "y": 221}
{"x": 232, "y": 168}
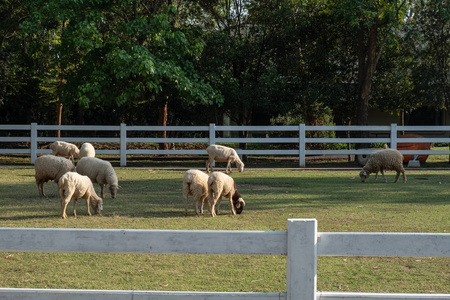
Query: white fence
{"x": 301, "y": 243}
{"x": 384, "y": 134}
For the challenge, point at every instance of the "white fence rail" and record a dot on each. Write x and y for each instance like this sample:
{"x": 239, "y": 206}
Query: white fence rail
{"x": 301, "y": 243}
{"x": 383, "y": 134}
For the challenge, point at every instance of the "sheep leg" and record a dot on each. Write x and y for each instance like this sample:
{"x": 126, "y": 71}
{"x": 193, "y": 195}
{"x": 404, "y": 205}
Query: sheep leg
{"x": 40, "y": 186}
{"x": 88, "y": 198}
{"x": 185, "y": 198}
{"x": 74, "y": 207}
{"x": 396, "y": 177}
{"x": 228, "y": 169}
{"x": 213, "y": 197}
{"x": 102, "y": 187}
{"x": 376, "y": 176}
{"x": 404, "y": 176}
{"x": 218, "y": 204}
{"x": 384, "y": 177}
{"x": 233, "y": 210}
{"x": 65, "y": 199}
{"x": 209, "y": 163}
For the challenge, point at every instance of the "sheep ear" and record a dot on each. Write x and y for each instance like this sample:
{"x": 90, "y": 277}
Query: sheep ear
{"x": 119, "y": 187}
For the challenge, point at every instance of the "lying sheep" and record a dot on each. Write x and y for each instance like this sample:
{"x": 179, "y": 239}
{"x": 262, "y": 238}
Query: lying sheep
{"x": 87, "y": 150}
{"x": 50, "y": 167}
{"x": 195, "y": 183}
{"x": 223, "y": 154}
{"x": 386, "y": 159}
{"x": 220, "y": 184}
{"x": 101, "y": 172}
{"x": 65, "y": 149}
{"x": 73, "y": 186}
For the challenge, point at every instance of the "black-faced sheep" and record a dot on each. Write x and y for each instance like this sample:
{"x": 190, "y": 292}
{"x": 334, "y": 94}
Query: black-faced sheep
{"x": 223, "y": 154}
{"x": 73, "y": 186}
{"x": 195, "y": 183}
{"x": 220, "y": 184}
{"x": 87, "y": 150}
{"x": 65, "y": 149}
{"x": 50, "y": 167}
{"x": 101, "y": 172}
{"x": 383, "y": 160}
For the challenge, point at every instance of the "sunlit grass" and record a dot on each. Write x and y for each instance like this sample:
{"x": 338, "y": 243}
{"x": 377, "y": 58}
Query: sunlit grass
{"x": 151, "y": 199}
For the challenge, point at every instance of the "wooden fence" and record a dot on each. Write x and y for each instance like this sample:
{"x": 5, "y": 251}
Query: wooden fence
{"x": 301, "y": 243}
{"x": 381, "y": 134}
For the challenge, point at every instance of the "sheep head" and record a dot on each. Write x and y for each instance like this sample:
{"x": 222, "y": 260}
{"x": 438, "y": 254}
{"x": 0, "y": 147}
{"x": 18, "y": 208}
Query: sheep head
{"x": 238, "y": 203}
{"x": 113, "y": 189}
{"x": 97, "y": 204}
{"x": 363, "y": 175}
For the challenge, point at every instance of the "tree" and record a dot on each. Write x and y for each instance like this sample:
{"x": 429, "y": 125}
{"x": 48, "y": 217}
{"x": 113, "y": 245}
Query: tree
{"x": 116, "y": 54}
{"x": 372, "y": 24}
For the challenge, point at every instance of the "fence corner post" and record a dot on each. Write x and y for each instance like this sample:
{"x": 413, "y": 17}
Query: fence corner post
{"x": 123, "y": 144}
{"x": 301, "y": 276}
{"x": 33, "y": 142}
{"x": 394, "y": 136}
{"x": 302, "y": 145}
{"x": 212, "y": 134}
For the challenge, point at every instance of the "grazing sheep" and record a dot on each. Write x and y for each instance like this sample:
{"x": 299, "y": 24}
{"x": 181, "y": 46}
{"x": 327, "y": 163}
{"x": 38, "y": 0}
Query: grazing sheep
{"x": 386, "y": 159}
{"x": 220, "y": 184}
{"x": 65, "y": 149}
{"x": 50, "y": 167}
{"x": 73, "y": 186}
{"x": 223, "y": 154}
{"x": 99, "y": 171}
{"x": 87, "y": 150}
{"x": 195, "y": 183}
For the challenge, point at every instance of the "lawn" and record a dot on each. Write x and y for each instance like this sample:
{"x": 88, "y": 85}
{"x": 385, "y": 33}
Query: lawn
{"x": 152, "y": 199}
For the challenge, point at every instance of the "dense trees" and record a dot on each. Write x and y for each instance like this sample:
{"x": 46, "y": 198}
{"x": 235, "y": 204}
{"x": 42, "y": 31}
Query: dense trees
{"x": 187, "y": 62}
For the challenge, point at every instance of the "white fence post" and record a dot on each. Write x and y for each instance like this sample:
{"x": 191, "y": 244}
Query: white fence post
{"x": 123, "y": 144}
{"x": 302, "y": 145}
{"x": 301, "y": 276}
{"x": 394, "y": 136}
{"x": 33, "y": 142}
{"x": 212, "y": 138}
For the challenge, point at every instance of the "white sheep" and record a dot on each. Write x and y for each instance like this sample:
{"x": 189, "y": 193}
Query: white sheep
{"x": 87, "y": 150}
{"x": 220, "y": 184}
{"x": 195, "y": 183}
{"x": 383, "y": 160}
{"x": 65, "y": 149}
{"x": 223, "y": 154}
{"x": 50, "y": 167}
{"x": 101, "y": 172}
{"x": 73, "y": 186}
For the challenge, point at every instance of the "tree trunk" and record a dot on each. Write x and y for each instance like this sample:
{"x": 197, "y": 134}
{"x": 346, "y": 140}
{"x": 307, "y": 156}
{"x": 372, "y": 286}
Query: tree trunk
{"x": 367, "y": 61}
{"x": 162, "y": 121}
{"x": 59, "y": 114}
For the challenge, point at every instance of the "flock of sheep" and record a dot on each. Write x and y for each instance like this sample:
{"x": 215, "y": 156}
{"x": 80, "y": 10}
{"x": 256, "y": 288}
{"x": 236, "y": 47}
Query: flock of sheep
{"x": 77, "y": 181}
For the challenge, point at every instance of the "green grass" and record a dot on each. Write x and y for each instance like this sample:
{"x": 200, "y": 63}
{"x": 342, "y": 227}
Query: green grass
{"x": 152, "y": 199}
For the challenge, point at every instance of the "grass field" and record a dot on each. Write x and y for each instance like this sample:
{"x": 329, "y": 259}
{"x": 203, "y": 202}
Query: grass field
{"x": 151, "y": 199}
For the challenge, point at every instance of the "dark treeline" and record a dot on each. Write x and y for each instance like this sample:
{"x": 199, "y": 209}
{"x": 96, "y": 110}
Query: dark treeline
{"x": 194, "y": 62}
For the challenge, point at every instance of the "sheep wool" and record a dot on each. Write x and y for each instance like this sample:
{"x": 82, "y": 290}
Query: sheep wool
{"x": 87, "y": 150}
{"x": 101, "y": 172}
{"x": 384, "y": 160}
{"x": 73, "y": 186}
{"x": 195, "y": 183}
{"x": 220, "y": 184}
{"x": 223, "y": 154}
{"x": 65, "y": 149}
{"x": 50, "y": 167}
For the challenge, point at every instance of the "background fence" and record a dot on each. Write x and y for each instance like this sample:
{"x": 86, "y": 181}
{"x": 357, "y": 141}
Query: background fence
{"x": 124, "y": 135}
{"x": 301, "y": 243}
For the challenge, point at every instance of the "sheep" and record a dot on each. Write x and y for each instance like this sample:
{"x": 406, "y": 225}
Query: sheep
{"x": 50, "y": 167}
{"x": 65, "y": 149}
{"x": 386, "y": 159}
{"x": 195, "y": 183}
{"x": 220, "y": 184}
{"x": 73, "y": 186}
{"x": 101, "y": 172}
{"x": 87, "y": 150}
{"x": 223, "y": 154}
